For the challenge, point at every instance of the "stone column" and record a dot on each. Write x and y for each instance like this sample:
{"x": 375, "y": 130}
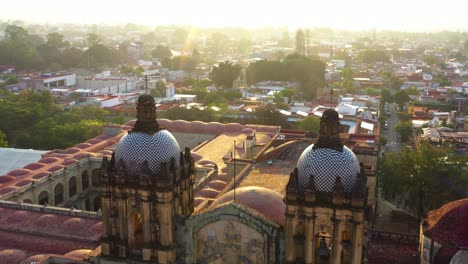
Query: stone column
{"x": 107, "y": 224}
{"x": 338, "y": 228}
{"x": 79, "y": 184}
{"x": 51, "y": 193}
{"x": 66, "y": 189}
{"x": 146, "y": 210}
{"x": 289, "y": 235}
{"x": 166, "y": 253}
{"x": 309, "y": 240}
{"x": 357, "y": 239}
{"x": 123, "y": 229}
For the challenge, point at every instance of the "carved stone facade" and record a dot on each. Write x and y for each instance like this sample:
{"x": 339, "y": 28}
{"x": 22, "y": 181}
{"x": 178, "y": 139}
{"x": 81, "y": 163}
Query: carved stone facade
{"x": 323, "y": 224}
{"x": 145, "y": 199}
{"x": 233, "y": 233}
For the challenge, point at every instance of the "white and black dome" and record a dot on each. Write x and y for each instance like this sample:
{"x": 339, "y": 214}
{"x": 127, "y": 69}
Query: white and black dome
{"x": 326, "y": 160}
{"x": 146, "y": 142}
{"x": 136, "y": 147}
{"x": 324, "y": 165}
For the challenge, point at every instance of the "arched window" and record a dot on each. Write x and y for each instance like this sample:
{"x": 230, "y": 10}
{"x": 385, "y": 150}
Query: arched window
{"x": 58, "y": 193}
{"x": 85, "y": 180}
{"x": 87, "y": 205}
{"x": 97, "y": 203}
{"x": 72, "y": 186}
{"x": 43, "y": 198}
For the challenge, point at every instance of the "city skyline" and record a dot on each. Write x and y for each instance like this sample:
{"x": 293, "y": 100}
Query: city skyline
{"x": 349, "y": 15}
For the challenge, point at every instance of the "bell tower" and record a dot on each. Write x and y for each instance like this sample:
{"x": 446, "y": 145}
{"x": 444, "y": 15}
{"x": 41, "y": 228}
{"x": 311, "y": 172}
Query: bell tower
{"x": 325, "y": 202}
{"x": 144, "y": 187}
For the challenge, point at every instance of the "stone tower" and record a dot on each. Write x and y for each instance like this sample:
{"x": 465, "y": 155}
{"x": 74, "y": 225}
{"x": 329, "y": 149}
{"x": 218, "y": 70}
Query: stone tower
{"x": 325, "y": 201}
{"x": 145, "y": 187}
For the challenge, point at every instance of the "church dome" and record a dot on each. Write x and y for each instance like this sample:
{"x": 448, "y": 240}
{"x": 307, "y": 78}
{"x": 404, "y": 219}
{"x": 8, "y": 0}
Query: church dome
{"x": 325, "y": 165}
{"x": 136, "y": 147}
{"x": 328, "y": 161}
{"x": 265, "y": 201}
{"x": 146, "y": 142}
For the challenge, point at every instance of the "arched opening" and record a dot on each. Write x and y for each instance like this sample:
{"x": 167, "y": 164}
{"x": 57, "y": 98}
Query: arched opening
{"x": 27, "y": 201}
{"x": 299, "y": 242}
{"x": 95, "y": 178}
{"x": 322, "y": 247}
{"x": 72, "y": 186}
{"x": 97, "y": 203}
{"x": 58, "y": 193}
{"x": 85, "y": 180}
{"x": 136, "y": 230}
{"x": 43, "y": 198}
{"x": 87, "y": 205}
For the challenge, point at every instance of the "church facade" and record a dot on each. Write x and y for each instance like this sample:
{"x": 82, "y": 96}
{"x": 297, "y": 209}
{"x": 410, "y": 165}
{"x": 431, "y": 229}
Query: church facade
{"x": 147, "y": 198}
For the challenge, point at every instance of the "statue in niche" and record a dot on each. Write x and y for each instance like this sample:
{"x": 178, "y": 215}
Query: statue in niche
{"x": 255, "y": 250}
{"x": 231, "y": 235}
{"x": 231, "y": 244}
{"x": 211, "y": 248}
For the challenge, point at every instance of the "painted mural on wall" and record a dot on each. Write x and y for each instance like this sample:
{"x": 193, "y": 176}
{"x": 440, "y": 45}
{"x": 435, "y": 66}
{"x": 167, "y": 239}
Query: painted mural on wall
{"x": 230, "y": 242}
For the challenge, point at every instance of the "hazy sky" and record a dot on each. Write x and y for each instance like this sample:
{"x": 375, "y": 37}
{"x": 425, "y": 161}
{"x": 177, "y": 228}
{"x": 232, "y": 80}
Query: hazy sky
{"x": 406, "y": 15}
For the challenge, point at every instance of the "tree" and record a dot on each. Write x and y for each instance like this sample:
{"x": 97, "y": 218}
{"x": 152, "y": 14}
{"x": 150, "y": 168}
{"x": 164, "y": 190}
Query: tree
{"x": 383, "y": 141}
{"x": 71, "y": 57}
{"x": 300, "y": 42}
{"x": 93, "y": 39}
{"x": 386, "y": 96}
{"x": 17, "y": 49}
{"x": 347, "y": 80}
{"x": 56, "y": 41}
{"x": 401, "y": 98}
{"x": 371, "y": 91}
{"x": 269, "y": 116}
{"x": 215, "y": 99}
{"x": 99, "y": 56}
{"x": 442, "y": 80}
{"x": 373, "y": 56}
{"x": 288, "y": 93}
{"x": 225, "y": 74}
{"x": 405, "y": 129}
{"x": 310, "y": 123}
{"x": 423, "y": 179}
{"x": 161, "y": 52}
{"x": 390, "y": 81}
{"x": 185, "y": 63}
{"x": 411, "y": 90}
{"x": 159, "y": 90}
{"x": 196, "y": 56}
{"x": 3, "y": 140}
{"x": 308, "y": 72}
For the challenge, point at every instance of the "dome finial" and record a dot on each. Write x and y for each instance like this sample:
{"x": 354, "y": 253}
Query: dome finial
{"x": 146, "y": 115}
{"x": 329, "y": 131}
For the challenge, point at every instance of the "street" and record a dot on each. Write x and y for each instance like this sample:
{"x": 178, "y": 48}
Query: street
{"x": 394, "y": 144}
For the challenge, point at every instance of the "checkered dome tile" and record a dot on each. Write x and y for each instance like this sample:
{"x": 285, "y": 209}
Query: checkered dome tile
{"x": 325, "y": 165}
{"x": 134, "y": 148}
